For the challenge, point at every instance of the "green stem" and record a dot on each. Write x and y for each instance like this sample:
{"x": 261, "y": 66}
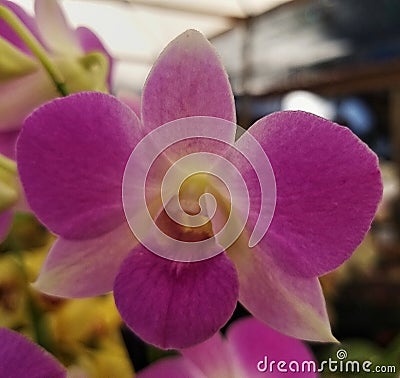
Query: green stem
{"x": 36, "y": 48}
{"x": 7, "y": 164}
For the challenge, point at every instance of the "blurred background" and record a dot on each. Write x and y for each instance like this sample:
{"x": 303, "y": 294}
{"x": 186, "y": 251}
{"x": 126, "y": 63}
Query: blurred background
{"x": 336, "y": 58}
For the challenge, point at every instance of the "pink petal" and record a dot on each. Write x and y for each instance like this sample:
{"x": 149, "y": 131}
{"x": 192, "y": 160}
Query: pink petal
{"x": 9, "y": 34}
{"x": 188, "y": 79}
{"x": 22, "y": 358}
{"x": 290, "y": 304}
{"x": 85, "y": 268}
{"x": 58, "y": 36}
{"x": 5, "y": 224}
{"x": 328, "y": 186}
{"x": 172, "y": 367}
{"x": 71, "y": 157}
{"x": 172, "y": 304}
{"x": 8, "y": 140}
{"x": 251, "y": 341}
{"x": 90, "y": 43}
{"x": 212, "y": 357}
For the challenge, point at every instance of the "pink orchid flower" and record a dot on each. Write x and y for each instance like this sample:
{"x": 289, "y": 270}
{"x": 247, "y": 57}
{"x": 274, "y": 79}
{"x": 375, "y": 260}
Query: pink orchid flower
{"x": 20, "y": 357}
{"x": 82, "y": 160}
{"x": 78, "y": 54}
{"x": 250, "y": 349}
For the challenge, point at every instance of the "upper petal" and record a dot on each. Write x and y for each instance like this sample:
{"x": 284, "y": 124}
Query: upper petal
{"x": 188, "y": 79}
{"x": 21, "y": 358}
{"x": 250, "y": 341}
{"x": 328, "y": 186}
{"x": 173, "y": 304}
{"x": 85, "y": 268}
{"x": 71, "y": 157}
{"x": 90, "y": 43}
{"x": 57, "y": 35}
{"x": 290, "y": 304}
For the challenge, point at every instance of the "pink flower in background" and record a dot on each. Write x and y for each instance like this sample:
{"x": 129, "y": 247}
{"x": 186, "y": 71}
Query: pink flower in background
{"x": 73, "y": 158}
{"x": 243, "y": 353}
{"x": 20, "y": 357}
{"x": 24, "y": 84}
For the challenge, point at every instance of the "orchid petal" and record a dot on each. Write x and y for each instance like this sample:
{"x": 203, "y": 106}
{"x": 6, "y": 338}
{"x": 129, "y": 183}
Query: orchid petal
{"x": 251, "y": 341}
{"x": 85, "y": 268}
{"x": 21, "y": 358}
{"x": 290, "y": 304}
{"x": 8, "y": 141}
{"x": 91, "y": 43}
{"x": 172, "y": 367}
{"x": 71, "y": 167}
{"x": 328, "y": 186}
{"x": 188, "y": 79}
{"x": 5, "y": 223}
{"x": 172, "y": 304}
{"x": 58, "y": 36}
{"x": 10, "y": 35}
{"x": 212, "y": 357}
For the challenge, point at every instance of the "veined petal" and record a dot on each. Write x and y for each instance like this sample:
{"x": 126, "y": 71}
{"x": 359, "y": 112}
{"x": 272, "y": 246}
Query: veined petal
{"x": 57, "y": 35}
{"x": 173, "y": 304}
{"x": 172, "y": 367}
{"x": 212, "y": 357}
{"x": 71, "y": 157}
{"x": 85, "y": 268}
{"x": 290, "y": 304}
{"x": 188, "y": 79}
{"x": 91, "y": 43}
{"x": 21, "y": 358}
{"x": 328, "y": 186}
{"x": 250, "y": 341}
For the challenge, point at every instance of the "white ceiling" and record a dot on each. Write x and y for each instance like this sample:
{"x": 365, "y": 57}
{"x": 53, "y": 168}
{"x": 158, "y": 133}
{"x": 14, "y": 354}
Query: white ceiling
{"x": 135, "y": 31}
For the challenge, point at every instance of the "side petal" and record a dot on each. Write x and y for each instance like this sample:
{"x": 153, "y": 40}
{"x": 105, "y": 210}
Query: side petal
{"x": 85, "y": 268}
{"x": 57, "y": 35}
{"x": 172, "y": 367}
{"x": 328, "y": 186}
{"x": 90, "y": 43}
{"x": 8, "y": 141}
{"x": 172, "y": 304}
{"x": 251, "y": 341}
{"x": 292, "y": 305}
{"x": 71, "y": 157}
{"x": 211, "y": 357}
{"x": 21, "y": 358}
{"x": 188, "y": 79}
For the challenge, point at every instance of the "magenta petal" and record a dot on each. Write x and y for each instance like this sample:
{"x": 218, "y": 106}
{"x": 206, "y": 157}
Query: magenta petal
{"x": 251, "y": 341}
{"x": 212, "y": 357}
{"x": 90, "y": 42}
{"x": 5, "y": 224}
{"x": 188, "y": 79}
{"x": 8, "y": 140}
{"x": 19, "y": 357}
{"x": 328, "y": 186}
{"x": 172, "y": 304}
{"x": 290, "y": 304}
{"x": 85, "y": 268}
{"x": 9, "y": 34}
{"x": 71, "y": 157}
{"x": 173, "y": 367}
